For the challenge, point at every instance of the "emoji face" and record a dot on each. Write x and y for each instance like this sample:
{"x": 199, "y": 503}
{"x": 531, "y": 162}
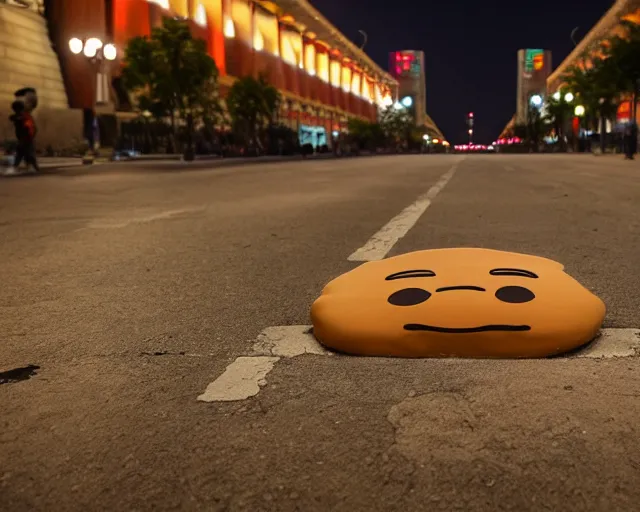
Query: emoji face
{"x": 457, "y": 303}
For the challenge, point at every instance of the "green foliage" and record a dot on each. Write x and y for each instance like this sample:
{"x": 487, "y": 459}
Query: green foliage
{"x": 253, "y": 105}
{"x": 172, "y": 74}
{"x": 365, "y": 134}
{"x": 624, "y": 54}
{"x": 397, "y": 124}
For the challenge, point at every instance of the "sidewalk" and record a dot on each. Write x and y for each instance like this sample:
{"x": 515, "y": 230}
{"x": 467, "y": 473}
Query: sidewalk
{"x": 56, "y": 165}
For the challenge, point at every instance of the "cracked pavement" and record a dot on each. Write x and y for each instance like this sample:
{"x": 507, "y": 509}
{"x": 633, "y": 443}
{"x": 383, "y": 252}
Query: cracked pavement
{"x": 133, "y": 290}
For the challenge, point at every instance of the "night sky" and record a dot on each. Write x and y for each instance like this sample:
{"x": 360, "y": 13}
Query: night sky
{"x": 470, "y": 49}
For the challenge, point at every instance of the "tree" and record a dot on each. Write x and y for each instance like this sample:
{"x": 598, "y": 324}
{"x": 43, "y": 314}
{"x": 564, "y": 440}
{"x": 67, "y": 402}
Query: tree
{"x": 558, "y": 113}
{"x": 253, "y": 105}
{"x": 398, "y": 125}
{"x": 172, "y": 73}
{"x": 596, "y": 87}
{"x": 623, "y": 52}
{"x": 366, "y": 134}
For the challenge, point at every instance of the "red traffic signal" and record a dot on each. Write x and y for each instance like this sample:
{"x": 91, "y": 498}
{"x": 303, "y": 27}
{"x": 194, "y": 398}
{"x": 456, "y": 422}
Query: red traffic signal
{"x": 471, "y": 115}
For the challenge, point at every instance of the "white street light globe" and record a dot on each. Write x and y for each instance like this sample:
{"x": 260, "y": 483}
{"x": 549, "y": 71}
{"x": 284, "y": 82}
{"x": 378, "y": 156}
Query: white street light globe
{"x": 92, "y": 46}
{"x": 90, "y": 51}
{"x": 536, "y": 100}
{"x": 95, "y": 42}
{"x": 425, "y": 137}
{"x": 407, "y": 101}
{"x": 397, "y": 106}
{"x": 568, "y": 97}
{"x": 557, "y": 95}
{"x": 109, "y": 51}
{"x": 75, "y": 45}
{"x": 579, "y": 111}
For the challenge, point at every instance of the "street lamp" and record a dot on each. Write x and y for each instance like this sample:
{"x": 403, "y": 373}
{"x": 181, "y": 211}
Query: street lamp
{"x": 557, "y": 95}
{"x": 579, "y": 110}
{"x": 407, "y": 101}
{"x": 536, "y": 100}
{"x": 568, "y": 97}
{"x": 98, "y": 53}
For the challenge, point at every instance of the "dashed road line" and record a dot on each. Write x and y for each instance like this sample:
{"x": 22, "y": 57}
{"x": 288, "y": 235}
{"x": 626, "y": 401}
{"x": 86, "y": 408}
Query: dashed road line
{"x": 247, "y": 374}
{"x": 169, "y": 214}
{"x": 379, "y": 245}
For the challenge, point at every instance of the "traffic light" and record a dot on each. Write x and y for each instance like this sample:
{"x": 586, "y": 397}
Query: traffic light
{"x": 470, "y": 115}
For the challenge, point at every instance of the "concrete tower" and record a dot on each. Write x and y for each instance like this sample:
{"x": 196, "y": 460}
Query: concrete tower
{"x": 534, "y": 67}
{"x": 407, "y": 66}
{"x": 27, "y": 59}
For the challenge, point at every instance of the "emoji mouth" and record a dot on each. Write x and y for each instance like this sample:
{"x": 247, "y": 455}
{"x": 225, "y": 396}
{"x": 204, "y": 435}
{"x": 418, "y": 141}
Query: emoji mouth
{"x": 452, "y": 330}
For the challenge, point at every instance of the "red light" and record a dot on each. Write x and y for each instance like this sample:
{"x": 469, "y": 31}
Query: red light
{"x": 471, "y": 115}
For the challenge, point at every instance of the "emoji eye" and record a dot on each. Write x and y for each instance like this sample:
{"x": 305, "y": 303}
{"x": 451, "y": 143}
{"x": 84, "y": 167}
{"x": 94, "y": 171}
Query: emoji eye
{"x": 514, "y": 294}
{"x": 408, "y": 297}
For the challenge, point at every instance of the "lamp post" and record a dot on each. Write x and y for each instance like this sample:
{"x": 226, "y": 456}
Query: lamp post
{"x": 99, "y": 54}
{"x": 579, "y": 112}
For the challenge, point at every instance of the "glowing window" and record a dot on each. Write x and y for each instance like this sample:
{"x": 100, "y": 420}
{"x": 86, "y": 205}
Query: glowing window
{"x": 229, "y": 28}
{"x": 346, "y": 78}
{"x": 335, "y": 73}
{"x": 323, "y": 66}
{"x": 355, "y": 84}
{"x": 162, "y": 3}
{"x": 310, "y": 59}
{"x": 287, "y": 51}
{"x": 258, "y": 41}
{"x": 200, "y": 16}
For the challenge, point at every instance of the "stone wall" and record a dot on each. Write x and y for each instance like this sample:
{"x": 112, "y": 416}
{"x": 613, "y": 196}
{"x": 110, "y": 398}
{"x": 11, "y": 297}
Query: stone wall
{"x": 27, "y": 59}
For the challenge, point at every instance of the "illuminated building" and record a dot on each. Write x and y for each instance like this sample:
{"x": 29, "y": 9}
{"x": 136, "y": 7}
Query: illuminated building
{"x": 324, "y": 78}
{"x": 407, "y": 67}
{"x": 534, "y": 67}
{"x": 609, "y": 25}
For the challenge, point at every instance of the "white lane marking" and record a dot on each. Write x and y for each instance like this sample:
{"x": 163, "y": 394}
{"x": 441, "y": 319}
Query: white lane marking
{"x": 240, "y": 380}
{"x": 288, "y": 341}
{"x": 247, "y": 374}
{"x": 244, "y": 377}
{"x": 379, "y": 245}
{"x": 143, "y": 220}
{"x": 613, "y": 343}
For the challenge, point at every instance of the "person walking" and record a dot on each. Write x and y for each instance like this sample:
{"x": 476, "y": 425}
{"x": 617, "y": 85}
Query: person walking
{"x": 25, "y": 129}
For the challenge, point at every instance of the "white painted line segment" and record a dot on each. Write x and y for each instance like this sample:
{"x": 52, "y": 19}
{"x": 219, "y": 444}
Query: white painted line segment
{"x": 240, "y": 380}
{"x": 382, "y": 242}
{"x": 247, "y": 374}
{"x": 613, "y": 343}
{"x": 288, "y": 341}
{"x": 143, "y": 220}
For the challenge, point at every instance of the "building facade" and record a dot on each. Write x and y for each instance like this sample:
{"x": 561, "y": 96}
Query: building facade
{"x": 408, "y": 68}
{"x": 323, "y": 77}
{"x": 534, "y": 67}
{"x": 609, "y": 25}
{"x": 27, "y": 58}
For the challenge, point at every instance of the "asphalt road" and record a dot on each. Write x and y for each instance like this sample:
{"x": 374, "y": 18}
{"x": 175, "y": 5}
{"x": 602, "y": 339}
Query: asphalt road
{"x": 133, "y": 289}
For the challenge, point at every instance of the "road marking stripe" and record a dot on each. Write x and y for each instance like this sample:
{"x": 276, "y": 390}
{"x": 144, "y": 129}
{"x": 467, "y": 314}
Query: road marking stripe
{"x": 613, "y": 343}
{"x": 169, "y": 214}
{"x": 242, "y": 379}
{"x": 379, "y": 245}
{"x": 247, "y": 374}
